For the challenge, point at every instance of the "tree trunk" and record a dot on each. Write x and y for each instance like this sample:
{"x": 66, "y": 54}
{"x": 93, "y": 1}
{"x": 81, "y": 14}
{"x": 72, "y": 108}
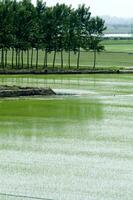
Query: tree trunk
{"x": 28, "y": 58}
{"x": 12, "y": 57}
{"x": 31, "y": 57}
{"x": 69, "y": 58}
{"x": 94, "y": 65}
{"x": 5, "y": 57}
{"x": 45, "y": 59}
{"x": 22, "y": 62}
{"x": 16, "y": 58}
{"x": 54, "y": 58}
{"x": 61, "y": 59}
{"x": 78, "y": 58}
{"x": 2, "y": 57}
{"x": 36, "y": 57}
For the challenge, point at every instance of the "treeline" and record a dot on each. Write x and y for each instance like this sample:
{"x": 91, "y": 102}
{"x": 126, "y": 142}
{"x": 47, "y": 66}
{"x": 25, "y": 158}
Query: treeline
{"x": 25, "y": 28}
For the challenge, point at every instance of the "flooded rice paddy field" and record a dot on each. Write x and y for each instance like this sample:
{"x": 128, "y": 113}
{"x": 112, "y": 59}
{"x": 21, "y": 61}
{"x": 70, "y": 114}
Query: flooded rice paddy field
{"x": 73, "y": 146}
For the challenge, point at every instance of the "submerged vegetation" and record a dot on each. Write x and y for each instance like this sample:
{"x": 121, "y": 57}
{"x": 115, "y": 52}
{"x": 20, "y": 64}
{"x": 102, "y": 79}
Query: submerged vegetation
{"x": 25, "y": 28}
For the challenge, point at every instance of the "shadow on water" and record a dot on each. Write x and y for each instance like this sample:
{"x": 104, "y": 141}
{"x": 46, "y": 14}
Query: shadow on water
{"x": 55, "y": 117}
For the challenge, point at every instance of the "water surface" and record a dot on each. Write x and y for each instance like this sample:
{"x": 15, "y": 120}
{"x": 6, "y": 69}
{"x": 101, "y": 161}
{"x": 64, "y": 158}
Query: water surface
{"x": 75, "y": 145}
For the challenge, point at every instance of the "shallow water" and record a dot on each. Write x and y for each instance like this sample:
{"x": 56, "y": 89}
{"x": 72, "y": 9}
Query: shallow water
{"x": 75, "y": 145}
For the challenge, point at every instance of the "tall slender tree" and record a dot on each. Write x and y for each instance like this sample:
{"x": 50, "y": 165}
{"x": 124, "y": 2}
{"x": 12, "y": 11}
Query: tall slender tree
{"x": 83, "y": 16}
{"x": 95, "y": 29}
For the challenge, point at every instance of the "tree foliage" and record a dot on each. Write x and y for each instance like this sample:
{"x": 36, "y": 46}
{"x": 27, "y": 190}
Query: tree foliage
{"x": 24, "y": 27}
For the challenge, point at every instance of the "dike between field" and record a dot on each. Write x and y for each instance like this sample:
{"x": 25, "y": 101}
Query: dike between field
{"x": 64, "y": 71}
{"x": 16, "y": 91}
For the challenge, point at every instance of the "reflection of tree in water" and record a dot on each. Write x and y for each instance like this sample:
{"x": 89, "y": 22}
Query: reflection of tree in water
{"x": 81, "y": 110}
{"x": 47, "y": 117}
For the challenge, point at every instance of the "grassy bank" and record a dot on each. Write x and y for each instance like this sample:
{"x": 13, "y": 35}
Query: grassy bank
{"x": 119, "y": 45}
{"x": 104, "y": 59}
{"x": 118, "y": 54}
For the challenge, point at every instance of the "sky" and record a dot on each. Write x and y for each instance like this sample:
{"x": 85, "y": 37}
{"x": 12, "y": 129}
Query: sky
{"x": 118, "y": 8}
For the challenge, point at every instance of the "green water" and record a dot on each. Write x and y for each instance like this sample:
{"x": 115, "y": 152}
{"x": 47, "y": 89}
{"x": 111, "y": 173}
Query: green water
{"x": 77, "y": 145}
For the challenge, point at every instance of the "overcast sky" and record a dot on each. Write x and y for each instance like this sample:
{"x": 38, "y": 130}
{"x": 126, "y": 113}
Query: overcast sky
{"x": 119, "y": 8}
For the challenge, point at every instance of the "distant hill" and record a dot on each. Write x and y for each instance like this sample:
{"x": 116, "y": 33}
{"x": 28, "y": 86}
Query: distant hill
{"x": 118, "y": 25}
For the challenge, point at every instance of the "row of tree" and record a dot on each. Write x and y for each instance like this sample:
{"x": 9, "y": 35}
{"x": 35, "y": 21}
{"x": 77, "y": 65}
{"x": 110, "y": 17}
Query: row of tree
{"x": 25, "y": 28}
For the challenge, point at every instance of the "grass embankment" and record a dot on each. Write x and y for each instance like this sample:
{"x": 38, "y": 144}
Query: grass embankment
{"x": 124, "y": 46}
{"x": 118, "y": 55}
